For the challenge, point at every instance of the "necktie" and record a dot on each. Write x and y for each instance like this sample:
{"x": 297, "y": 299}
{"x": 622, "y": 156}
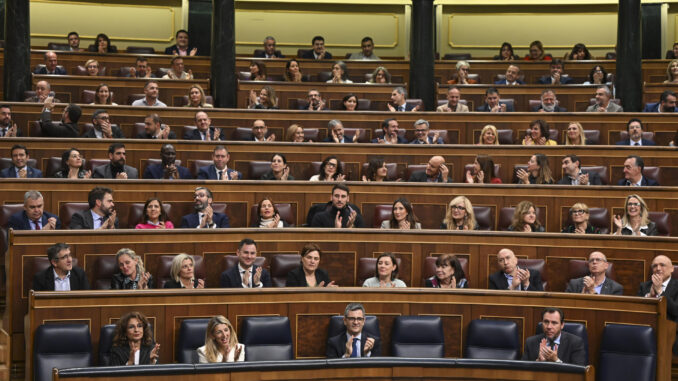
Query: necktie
{"x": 220, "y": 175}
{"x": 354, "y": 352}
{"x": 636, "y": 144}
{"x": 551, "y": 344}
{"x": 22, "y": 173}
{"x": 37, "y": 225}
{"x": 246, "y": 278}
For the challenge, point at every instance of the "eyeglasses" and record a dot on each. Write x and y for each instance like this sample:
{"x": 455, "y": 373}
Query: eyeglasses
{"x": 103, "y": 118}
{"x": 457, "y": 207}
{"x": 596, "y": 260}
{"x": 65, "y": 256}
{"x": 354, "y": 319}
{"x": 199, "y": 195}
{"x": 578, "y": 211}
{"x": 420, "y": 131}
{"x": 633, "y": 204}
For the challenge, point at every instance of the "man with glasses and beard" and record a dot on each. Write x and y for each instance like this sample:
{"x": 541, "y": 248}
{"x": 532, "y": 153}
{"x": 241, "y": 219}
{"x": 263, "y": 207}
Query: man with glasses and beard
{"x": 116, "y": 168}
{"x": 204, "y": 217}
{"x": 101, "y": 213}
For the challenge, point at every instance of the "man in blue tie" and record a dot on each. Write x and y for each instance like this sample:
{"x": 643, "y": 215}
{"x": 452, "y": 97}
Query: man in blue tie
{"x": 554, "y": 344}
{"x": 353, "y": 342}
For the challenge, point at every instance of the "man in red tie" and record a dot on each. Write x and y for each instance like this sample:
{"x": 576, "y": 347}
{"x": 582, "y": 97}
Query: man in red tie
{"x": 34, "y": 217}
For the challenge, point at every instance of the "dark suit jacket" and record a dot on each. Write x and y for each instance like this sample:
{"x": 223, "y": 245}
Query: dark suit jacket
{"x": 44, "y": 280}
{"x": 336, "y": 345}
{"x": 144, "y": 135}
{"x": 297, "y": 277}
{"x": 195, "y": 134}
{"x": 262, "y": 54}
{"x": 627, "y": 142}
{"x": 31, "y": 173}
{"x": 210, "y": 173}
{"x": 571, "y": 349}
{"x": 120, "y": 355}
{"x": 401, "y": 140}
{"x": 499, "y": 282}
{"x": 650, "y": 231}
{"x": 231, "y": 278}
{"x": 485, "y": 108}
{"x": 671, "y": 294}
{"x": 106, "y": 172}
{"x": 172, "y": 50}
{"x": 174, "y": 284}
{"x": 420, "y": 177}
{"x": 115, "y": 131}
{"x": 503, "y": 82}
{"x": 309, "y": 55}
{"x": 430, "y": 140}
{"x": 58, "y": 71}
{"x": 83, "y": 220}
{"x": 18, "y": 131}
{"x": 325, "y": 219}
{"x": 57, "y": 130}
{"x": 654, "y": 107}
{"x": 610, "y": 287}
{"x": 594, "y": 179}
{"x": 156, "y": 171}
{"x": 645, "y": 182}
{"x": 556, "y": 109}
{"x": 192, "y": 220}
{"x": 546, "y": 80}
{"x": 20, "y": 221}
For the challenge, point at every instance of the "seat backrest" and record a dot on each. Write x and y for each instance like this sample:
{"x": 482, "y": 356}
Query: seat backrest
{"x": 68, "y": 209}
{"x": 366, "y": 268}
{"x": 136, "y": 214}
{"x": 483, "y": 217}
{"x": 6, "y": 212}
{"x": 414, "y": 168}
{"x": 647, "y": 135}
{"x": 381, "y": 213}
{"x": 164, "y": 268}
{"x": 391, "y": 171}
{"x": 337, "y": 327}
{"x": 232, "y": 260}
{"x": 6, "y": 162}
{"x": 324, "y": 76}
{"x": 505, "y": 136}
{"x": 497, "y": 167}
{"x": 578, "y": 268}
{"x": 627, "y": 352}
{"x": 286, "y": 211}
{"x": 267, "y": 338}
{"x": 601, "y": 171}
{"x": 417, "y": 336}
{"x": 535, "y": 265}
{"x": 281, "y": 265}
{"x": 578, "y": 329}
{"x": 663, "y": 222}
{"x": 197, "y": 164}
{"x": 457, "y": 56}
{"x": 429, "y": 269}
{"x": 104, "y": 268}
{"x": 242, "y": 133}
{"x": 592, "y": 137}
{"x": 363, "y": 137}
{"x": 654, "y": 173}
{"x": 106, "y": 343}
{"x": 258, "y": 168}
{"x": 191, "y": 337}
{"x": 509, "y": 102}
{"x": 133, "y": 97}
{"x": 492, "y": 339}
{"x": 140, "y": 50}
{"x": 60, "y": 346}
{"x": 58, "y": 46}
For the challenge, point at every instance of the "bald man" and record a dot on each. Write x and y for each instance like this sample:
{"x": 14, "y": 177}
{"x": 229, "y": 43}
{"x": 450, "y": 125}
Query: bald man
{"x": 512, "y": 277}
{"x": 436, "y": 172}
{"x": 596, "y": 282}
{"x": 661, "y": 284}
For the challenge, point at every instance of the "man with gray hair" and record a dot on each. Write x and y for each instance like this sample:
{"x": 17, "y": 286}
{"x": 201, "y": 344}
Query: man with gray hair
{"x": 399, "y": 103}
{"x": 336, "y": 129}
{"x": 421, "y": 134}
{"x": 549, "y": 103}
{"x": 603, "y": 101}
{"x": 34, "y": 217}
{"x": 354, "y": 341}
{"x": 51, "y": 65}
{"x": 269, "y": 49}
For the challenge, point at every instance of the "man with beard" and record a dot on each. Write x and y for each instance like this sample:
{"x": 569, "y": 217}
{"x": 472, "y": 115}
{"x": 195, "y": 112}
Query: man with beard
{"x": 204, "y": 217}
{"x": 554, "y": 344}
{"x": 339, "y": 213}
{"x": 154, "y": 129}
{"x": 116, "y": 169}
{"x": 167, "y": 169}
{"x": 101, "y": 213}
{"x": 8, "y": 129}
{"x": 67, "y": 128}
{"x": 549, "y": 103}
{"x": 436, "y": 172}
{"x": 667, "y": 103}
{"x": 103, "y": 129}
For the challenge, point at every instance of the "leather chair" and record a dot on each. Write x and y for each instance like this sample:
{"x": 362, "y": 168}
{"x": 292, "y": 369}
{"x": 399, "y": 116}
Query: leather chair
{"x": 140, "y": 50}
{"x": 483, "y": 217}
{"x": 285, "y": 210}
{"x": 297, "y": 104}
{"x": 133, "y": 97}
{"x": 663, "y": 222}
{"x": 506, "y": 215}
{"x": 492, "y": 339}
{"x": 592, "y": 137}
{"x": 598, "y": 217}
{"x": 55, "y": 46}
{"x": 6, "y": 211}
{"x": 457, "y": 56}
{"x": 654, "y": 173}
{"x": 183, "y": 101}
{"x": 627, "y": 352}
{"x": 324, "y": 76}
{"x": 53, "y": 166}
{"x": 364, "y": 136}
{"x": 93, "y": 163}
{"x": 281, "y": 265}
{"x": 104, "y": 268}
{"x": 429, "y": 269}
{"x": 105, "y": 344}
{"x": 68, "y": 209}
{"x": 244, "y": 76}
{"x": 40, "y": 66}
{"x": 258, "y": 169}
{"x": 242, "y": 133}
{"x": 87, "y": 96}
{"x": 191, "y": 337}
{"x": 578, "y": 268}
{"x": 232, "y": 260}
{"x": 366, "y": 268}
{"x": 505, "y": 136}
{"x": 337, "y": 327}
{"x": 535, "y": 265}
{"x": 81, "y": 70}
{"x": 187, "y": 129}
{"x": 578, "y": 329}
{"x": 411, "y": 168}
{"x": 415, "y": 102}
{"x": 509, "y": 102}
{"x": 469, "y": 167}
{"x": 60, "y": 346}
{"x": 267, "y": 338}
{"x": 379, "y": 133}
{"x": 301, "y": 52}
{"x": 601, "y": 171}
{"x": 363, "y": 104}
{"x": 6, "y": 162}
{"x": 258, "y": 52}
{"x": 417, "y": 336}
{"x": 312, "y": 169}
{"x": 311, "y": 134}
{"x": 162, "y": 71}
{"x": 197, "y": 164}
{"x": 391, "y": 171}
{"x": 381, "y": 213}
{"x": 136, "y": 213}
{"x": 125, "y": 71}
{"x": 34, "y": 265}
{"x": 164, "y": 268}
{"x": 647, "y": 135}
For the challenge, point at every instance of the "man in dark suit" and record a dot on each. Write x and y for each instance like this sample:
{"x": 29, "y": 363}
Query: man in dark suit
{"x": 318, "y": 52}
{"x": 315, "y": 101}
{"x": 8, "y": 128}
{"x": 436, "y": 172}
{"x": 556, "y": 77}
{"x": 399, "y": 101}
{"x": 389, "y": 127}
{"x": 246, "y": 274}
{"x": 204, "y": 131}
{"x": 181, "y": 48}
{"x": 260, "y": 132}
{"x": 493, "y": 102}
{"x": 153, "y": 129}
{"x": 549, "y": 103}
{"x": 635, "y": 130}
{"x": 596, "y": 282}
{"x": 116, "y": 168}
{"x": 421, "y": 134}
{"x": 61, "y": 275}
{"x": 269, "y": 49}
{"x": 167, "y": 169}
{"x": 101, "y": 213}
{"x": 336, "y": 128}
{"x": 633, "y": 173}
{"x": 573, "y": 175}
{"x": 103, "y": 129}
{"x": 34, "y": 217}
{"x": 667, "y": 103}
{"x": 663, "y": 285}
{"x": 512, "y": 277}
{"x": 341, "y": 213}
{"x": 51, "y": 65}
{"x": 67, "y": 128}
{"x": 204, "y": 217}
{"x": 19, "y": 167}
{"x": 555, "y": 345}
{"x": 219, "y": 170}
{"x": 359, "y": 345}
{"x": 511, "y": 78}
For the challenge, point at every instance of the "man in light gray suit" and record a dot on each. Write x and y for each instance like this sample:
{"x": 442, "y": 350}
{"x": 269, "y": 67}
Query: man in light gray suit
{"x": 596, "y": 282}
{"x": 604, "y": 101}
{"x": 116, "y": 169}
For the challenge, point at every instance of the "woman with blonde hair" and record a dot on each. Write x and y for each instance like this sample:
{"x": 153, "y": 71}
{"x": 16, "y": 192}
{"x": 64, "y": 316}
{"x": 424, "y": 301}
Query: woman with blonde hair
{"x": 574, "y": 135}
{"x": 182, "y": 273}
{"x": 538, "y": 171}
{"x": 295, "y": 133}
{"x": 197, "y": 98}
{"x": 92, "y": 67}
{"x": 579, "y": 215}
{"x": 267, "y": 100}
{"x": 635, "y": 220}
{"x": 672, "y": 72}
{"x": 489, "y": 136}
{"x": 221, "y": 343}
{"x": 132, "y": 274}
{"x": 525, "y": 218}
{"x": 459, "y": 215}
